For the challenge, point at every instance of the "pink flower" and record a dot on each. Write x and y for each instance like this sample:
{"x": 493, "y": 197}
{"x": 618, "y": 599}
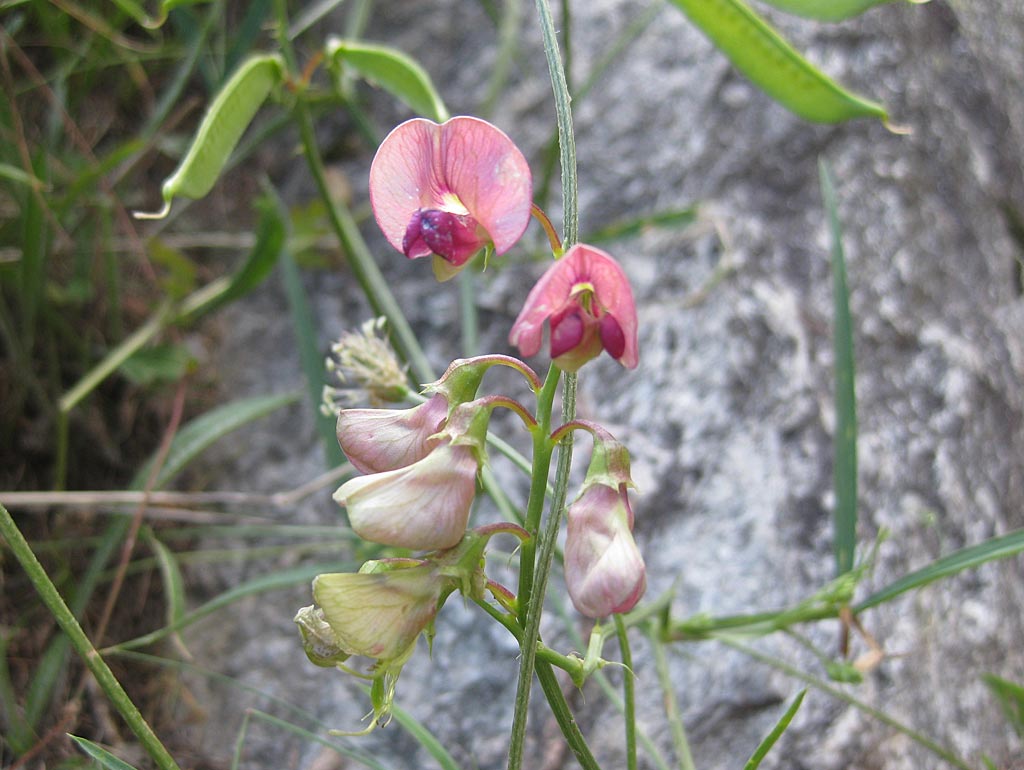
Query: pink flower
{"x": 604, "y": 571}
{"x": 377, "y": 440}
{"x": 450, "y": 190}
{"x": 587, "y": 302}
{"x": 423, "y": 506}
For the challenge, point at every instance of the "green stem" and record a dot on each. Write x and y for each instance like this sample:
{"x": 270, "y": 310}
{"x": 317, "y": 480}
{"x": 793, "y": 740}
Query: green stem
{"x": 675, "y": 719}
{"x": 360, "y": 261}
{"x": 566, "y": 721}
{"x": 66, "y": 620}
{"x": 542, "y": 449}
{"x": 628, "y": 694}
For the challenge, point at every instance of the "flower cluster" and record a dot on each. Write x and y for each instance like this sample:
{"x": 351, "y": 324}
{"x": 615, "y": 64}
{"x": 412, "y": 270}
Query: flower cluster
{"x": 450, "y": 192}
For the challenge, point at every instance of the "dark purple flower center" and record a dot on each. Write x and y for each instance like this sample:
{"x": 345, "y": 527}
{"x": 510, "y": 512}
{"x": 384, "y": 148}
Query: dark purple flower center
{"x": 453, "y": 237}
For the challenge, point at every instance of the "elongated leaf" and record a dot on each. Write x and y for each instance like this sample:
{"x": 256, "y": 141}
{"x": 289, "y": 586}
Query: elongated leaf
{"x": 630, "y": 227}
{"x": 101, "y": 755}
{"x": 204, "y": 430}
{"x": 760, "y": 53}
{"x": 309, "y": 353}
{"x": 15, "y": 174}
{"x": 776, "y": 733}
{"x": 160, "y": 363}
{"x": 271, "y": 582}
{"x": 828, "y": 10}
{"x": 270, "y": 239}
{"x": 1011, "y": 700}
{"x": 425, "y": 738}
{"x": 394, "y": 71}
{"x": 845, "y": 442}
{"x": 972, "y": 556}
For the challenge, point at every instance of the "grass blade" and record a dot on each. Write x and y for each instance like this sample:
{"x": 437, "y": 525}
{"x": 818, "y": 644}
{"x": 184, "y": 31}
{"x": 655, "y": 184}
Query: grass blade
{"x": 101, "y": 755}
{"x": 271, "y": 582}
{"x": 204, "y": 430}
{"x": 965, "y": 558}
{"x": 310, "y": 354}
{"x": 776, "y": 733}
{"x": 845, "y": 442}
{"x": 1011, "y": 700}
{"x": 425, "y": 738}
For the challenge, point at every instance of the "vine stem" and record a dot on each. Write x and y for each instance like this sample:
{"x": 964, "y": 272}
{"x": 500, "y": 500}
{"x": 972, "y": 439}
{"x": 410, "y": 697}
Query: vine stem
{"x": 537, "y": 574}
{"x": 628, "y": 694}
{"x": 69, "y": 625}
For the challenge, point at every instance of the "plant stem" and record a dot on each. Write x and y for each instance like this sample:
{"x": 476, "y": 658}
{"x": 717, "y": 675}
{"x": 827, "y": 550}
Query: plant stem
{"x": 675, "y": 719}
{"x": 360, "y": 261}
{"x": 66, "y": 620}
{"x": 628, "y": 695}
{"x": 542, "y": 450}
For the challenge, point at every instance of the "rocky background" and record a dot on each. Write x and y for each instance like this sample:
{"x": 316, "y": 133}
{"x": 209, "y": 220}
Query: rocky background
{"x": 729, "y": 417}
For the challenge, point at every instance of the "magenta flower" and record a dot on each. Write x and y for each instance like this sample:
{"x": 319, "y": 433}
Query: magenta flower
{"x": 377, "y": 440}
{"x": 586, "y": 300}
{"x": 423, "y": 506}
{"x": 604, "y": 571}
{"x": 449, "y": 190}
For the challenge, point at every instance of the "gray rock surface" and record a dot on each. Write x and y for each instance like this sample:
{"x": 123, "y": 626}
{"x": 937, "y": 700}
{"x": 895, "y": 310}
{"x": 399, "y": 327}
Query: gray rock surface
{"x": 729, "y": 417}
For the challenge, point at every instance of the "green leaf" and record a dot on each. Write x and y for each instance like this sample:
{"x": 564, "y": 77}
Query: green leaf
{"x": 845, "y": 442}
{"x": 270, "y": 240}
{"x": 101, "y": 755}
{"x": 973, "y": 556}
{"x": 776, "y": 733}
{"x": 635, "y": 226}
{"x": 306, "y": 337}
{"x": 1011, "y": 700}
{"x": 828, "y": 10}
{"x": 160, "y": 363}
{"x": 15, "y": 174}
{"x": 424, "y": 738}
{"x": 273, "y": 581}
{"x": 392, "y": 70}
{"x": 204, "y": 430}
{"x": 760, "y": 53}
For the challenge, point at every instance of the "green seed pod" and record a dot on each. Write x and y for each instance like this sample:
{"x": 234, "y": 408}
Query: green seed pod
{"x": 760, "y": 53}
{"x": 223, "y": 125}
{"x": 828, "y": 10}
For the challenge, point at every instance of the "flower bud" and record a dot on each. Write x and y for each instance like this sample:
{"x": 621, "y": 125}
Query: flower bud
{"x": 604, "y": 571}
{"x": 377, "y": 440}
{"x": 379, "y": 615}
{"x": 423, "y": 506}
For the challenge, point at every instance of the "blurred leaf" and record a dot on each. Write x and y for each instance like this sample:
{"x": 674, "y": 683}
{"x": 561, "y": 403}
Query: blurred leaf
{"x": 273, "y": 581}
{"x": 304, "y": 325}
{"x": 101, "y": 755}
{"x": 776, "y": 733}
{"x": 394, "y": 71}
{"x": 180, "y": 278}
{"x": 635, "y": 226}
{"x": 423, "y": 737}
{"x": 845, "y": 440}
{"x": 200, "y": 433}
{"x": 160, "y": 363}
{"x": 972, "y": 556}
{"x": 270, "y": 239}
{"x": 773, "y": 65}
{"x": 1011, "y": 700}
{"x": 827, "y": 10}
{"x": 15, "y": 174}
